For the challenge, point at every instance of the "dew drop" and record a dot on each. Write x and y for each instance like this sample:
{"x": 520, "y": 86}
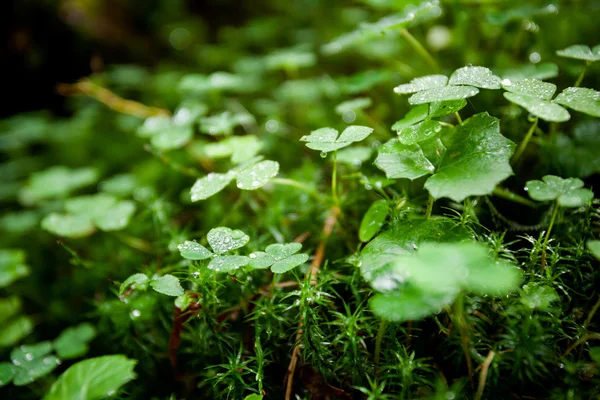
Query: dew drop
{"x": 323, "y": 154}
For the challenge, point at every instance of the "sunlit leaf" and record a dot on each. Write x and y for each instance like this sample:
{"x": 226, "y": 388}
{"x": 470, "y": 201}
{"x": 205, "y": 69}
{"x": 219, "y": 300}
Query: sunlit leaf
{"x": 422, "y": 83}
{"x": 209, "y": 185}
{"x": 480, "y": 77}
{"x": 398, "y": 160}
{"x": 530, "y": 87}
{"x": 95, "y": 378}
{"x": 580, "y": 99}
{"x": 224, "y": 239}
{"x": 257, "y": 175}
{"x": 326, "y": 139}
{"x": 373, "y": 220}
{"x": 168, "y": 285}
{"x": 228, "y": 263}
{"x": 446, "y": 93}
{"x": 419, "y": 132}
{"x": 581, "y": 52}
{"x": 445, "y": 108}
{"x": 287, "y": 264}
{"x": 193, "y": 251}
{"x": 544, "y": 109}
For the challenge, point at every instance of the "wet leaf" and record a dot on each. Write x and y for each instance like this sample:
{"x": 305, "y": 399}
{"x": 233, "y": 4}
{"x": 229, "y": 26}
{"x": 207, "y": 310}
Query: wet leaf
{"x": 446, "y": 93}
{"x": 419, "y": 132}
{"x": 326, "y": 139}
{"x": 167, "y": 285}
{"x": 544, "y": 109}
{"x": 257, "y": 175}
{"x": 536, "y": 296}
{"x": 135, "y": 281}
{"x": 193, "y": 251}
{"x": 414, "y": 116}
{"x": 539, "y": 71}
{"x": 445, "y": 108}
{"x": 530, "y": 87}
{"x": 567, "y": 192}
{"x": 228, "y": 263}
{"x": 411, "y": 304}
{"x": 581, "y": 52}
{"x": 73, "y": 341}
{"x": 373, "y": 220}
{"x": 261, "y": 260}
{"x": 480, "y": 77}
{"x": 209, "y": 185}
{"x": 224, "y": 239}
{"x": 7, "y": 373}
{"x": 476, "y": 160}
{"x": 101, "y": 377}
{"x": 281, "y": 251}
{"x": 403, "y": 161}
{"x": 289, "y": 263}
{"x": 422, "y": 83}
{"x": 33, "y": 362}
{"x": 580, "y": 99}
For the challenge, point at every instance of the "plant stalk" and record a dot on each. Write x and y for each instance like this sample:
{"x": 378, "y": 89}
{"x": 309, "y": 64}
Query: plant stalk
{"x": 508, "y": 195}
{"x": 525, "y": 141}
{"x": 547, "y": 237}
{"x": 334, "y": 193}
{"x": 378, "y": 341}
{"x": 429, "y": 207}
{"x": 419, "y": 48}
{"x": 582, "y": 75}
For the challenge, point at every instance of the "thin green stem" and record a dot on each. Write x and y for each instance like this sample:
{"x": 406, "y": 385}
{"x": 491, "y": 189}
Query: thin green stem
{"x": 297, "y": 185}
{"x": 429, "y": 207}
{"x": 334, "y": 193}
{"x": 419, "y": 48}
{"x": 461, "y": 323}
{"x": 582, "y": 75}
{"x": 378, "y": 341}
{"x": 592, "y": 312}
{"x": 547, "y": 237}
{"x": 508, "y": 195}
{"x": 525, "y": 141}
{"x": 445, "y": 124}
{"x": 458, "y": 118}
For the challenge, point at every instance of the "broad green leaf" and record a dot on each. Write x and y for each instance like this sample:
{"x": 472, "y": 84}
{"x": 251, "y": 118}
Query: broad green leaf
{"x": 253, "y": 397}
{"x": 135, "y": 281}
{"x": 92, "y": 379}
{"x": 153, "y": 126}
{"x": 403, "y": 161}
{"x": 228, "y": 263}
{"x": 7, "y": 373}
{"x": 410, "y": 304}
{"x": 219, "y": 124}
{"x": 580, "y": 99}
{"x": 289, "y": 263}
{"x": 354, "y": 156}
{"x": 444, "y": 108}
{"x": 257, "y": 175}
{"x": 117, "y": 217}
{"x": 414, "y": 116}
{"x": 353, "y": 105}
{"x": 536, "y": 296}
{"x": 373, "y": 220}
{"x": 446, "y": 93}
{"x": 121, "y": 185}
{"x": 480, "y": 77}
{"x": 544, "y": 109}
{"x": 209, "y": 185}
{"x": 422, "y": 83}
{"x": 260, "y": 260}
{"x": 326, "y": 139}
{"x": 174, "y": 137}
{"x": 193, "y": 251}
{"x": 567, "y": 192}
{"x": 290, "y": 59}
{"x": 167, "y": 285}
{"x": 12, "y": 266}
{"x": 419, "y": 132}
{"x": 56, "y": 182}
{"x": 281, "y": 251}
{"x": 404, "y": 238}
{"x": 9, "y": 306}
{"x": 90, "y": 204}
{"x": 33, "y": 362}
{"x": 73, "y": 341}
{"x": 530, "y": 87}
{"x": 476, "y": 160}
{"x": 14, "y": 330}
{"x": 581, "y": 52}
{"x": 594, "y": 248}
{"x": 224, "y": 239}
{"x": 72, "y": 226}
{"x": 452, "y": 267}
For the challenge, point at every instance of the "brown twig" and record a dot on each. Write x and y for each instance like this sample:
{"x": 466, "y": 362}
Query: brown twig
{"x": 110, "y": 99}
{"x": 485, "y": 366}
{"x": 312, "y": 274}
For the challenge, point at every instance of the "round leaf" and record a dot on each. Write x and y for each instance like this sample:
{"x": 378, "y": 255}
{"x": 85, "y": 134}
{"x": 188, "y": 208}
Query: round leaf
{"x": 403, "y": 161}
{"x": 280, "y": 251}
{"x": 72, "y": 226}
{"x": 580, "y": 99}
{"x": 419, "y": 132}
{"x": 446, "y": 93}
{"x": 224, "y": 239}
{"x": 480, "y": 77}
{"x": 257, "y": 175}
{"x": 228, "y": 263}
{"x": 209, "y": 185}
{"x": 373, "y": 220}
{"x": 168, "y": 285}
{"x": 422, "y": 83}
{"x": 289, "y": 263}
{"x": 115, "y": 218}
{"x": 193, "y": 251}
